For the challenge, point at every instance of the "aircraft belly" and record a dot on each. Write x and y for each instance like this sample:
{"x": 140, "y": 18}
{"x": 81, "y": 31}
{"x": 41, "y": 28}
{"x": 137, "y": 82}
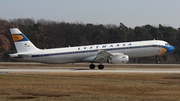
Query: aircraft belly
{"x": 57, "y": 60}
{"x": 143, "y": 52}
{"x": 64, "y": 58}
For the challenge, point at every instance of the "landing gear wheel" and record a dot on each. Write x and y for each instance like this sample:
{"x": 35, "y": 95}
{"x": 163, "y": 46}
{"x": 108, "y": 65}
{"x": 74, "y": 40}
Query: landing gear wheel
{"x": 157, "y": 60}
{"x": 101, "y": 66}
{"x": 91, "y": 66}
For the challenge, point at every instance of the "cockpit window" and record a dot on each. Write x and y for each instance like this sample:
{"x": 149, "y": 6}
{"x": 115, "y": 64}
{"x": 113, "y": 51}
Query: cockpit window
{"x": 167, "y": 44}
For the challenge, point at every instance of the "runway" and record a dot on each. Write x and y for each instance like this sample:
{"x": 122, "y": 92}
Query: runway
{"x": 120, "y": 70}
{"x": 12, "y": 67}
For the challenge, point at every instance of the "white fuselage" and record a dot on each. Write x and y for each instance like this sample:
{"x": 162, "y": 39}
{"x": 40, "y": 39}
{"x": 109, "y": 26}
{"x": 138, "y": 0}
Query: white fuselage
{"x": 89, "y": 52}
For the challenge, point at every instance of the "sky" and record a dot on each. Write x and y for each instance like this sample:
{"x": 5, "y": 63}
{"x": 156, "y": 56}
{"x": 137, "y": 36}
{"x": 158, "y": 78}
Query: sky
{"x": 131, "y": 13}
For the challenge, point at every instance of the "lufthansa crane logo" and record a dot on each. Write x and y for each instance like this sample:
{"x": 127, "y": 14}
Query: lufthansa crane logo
{"x": 19, "y": 37}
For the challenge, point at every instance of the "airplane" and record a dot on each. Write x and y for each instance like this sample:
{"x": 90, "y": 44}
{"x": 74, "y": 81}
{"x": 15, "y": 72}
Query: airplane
{"x": 113, "y": 53}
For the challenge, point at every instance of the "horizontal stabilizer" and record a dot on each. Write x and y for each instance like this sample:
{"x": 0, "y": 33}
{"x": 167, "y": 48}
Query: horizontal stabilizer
{"x": 19, "y": 55}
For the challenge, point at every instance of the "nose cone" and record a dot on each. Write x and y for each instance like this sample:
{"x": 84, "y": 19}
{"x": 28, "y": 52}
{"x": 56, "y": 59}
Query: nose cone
{"x": 169, "y": 49}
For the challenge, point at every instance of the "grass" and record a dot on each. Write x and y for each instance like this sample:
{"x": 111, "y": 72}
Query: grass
{"x": 89, "y": 87}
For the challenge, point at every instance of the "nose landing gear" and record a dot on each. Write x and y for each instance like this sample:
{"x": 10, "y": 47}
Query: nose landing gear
{"x": 157, "y": 59}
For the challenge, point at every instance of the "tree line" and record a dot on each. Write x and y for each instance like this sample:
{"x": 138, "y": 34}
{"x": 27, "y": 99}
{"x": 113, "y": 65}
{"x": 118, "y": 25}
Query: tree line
{"x": 53, "y": 34}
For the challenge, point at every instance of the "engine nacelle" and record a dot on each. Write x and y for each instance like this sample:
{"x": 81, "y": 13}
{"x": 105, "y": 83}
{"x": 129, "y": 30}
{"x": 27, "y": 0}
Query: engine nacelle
{"x": 117, "y": 59}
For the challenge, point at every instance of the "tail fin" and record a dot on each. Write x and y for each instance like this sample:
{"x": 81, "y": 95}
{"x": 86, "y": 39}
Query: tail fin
{"x": 22, "y": 43}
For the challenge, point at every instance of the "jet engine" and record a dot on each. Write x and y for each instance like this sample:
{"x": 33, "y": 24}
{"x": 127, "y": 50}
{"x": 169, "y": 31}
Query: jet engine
{"x": 117, "y": 59}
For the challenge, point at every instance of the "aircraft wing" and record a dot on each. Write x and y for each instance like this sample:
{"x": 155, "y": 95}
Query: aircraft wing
{"x": 102, "y": 56}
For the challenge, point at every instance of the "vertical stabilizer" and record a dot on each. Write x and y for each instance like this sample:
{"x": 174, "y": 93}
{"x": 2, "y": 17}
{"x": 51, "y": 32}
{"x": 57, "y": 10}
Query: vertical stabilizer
{"x": 22, "y": 43}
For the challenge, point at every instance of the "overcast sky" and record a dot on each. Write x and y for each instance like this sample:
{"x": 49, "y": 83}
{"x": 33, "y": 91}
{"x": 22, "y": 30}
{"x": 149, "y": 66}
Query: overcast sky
{"x": 129, "y": 12}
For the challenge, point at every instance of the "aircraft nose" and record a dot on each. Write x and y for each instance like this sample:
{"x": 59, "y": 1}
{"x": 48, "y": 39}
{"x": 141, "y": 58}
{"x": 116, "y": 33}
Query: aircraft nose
{"x": 170, "y": 49}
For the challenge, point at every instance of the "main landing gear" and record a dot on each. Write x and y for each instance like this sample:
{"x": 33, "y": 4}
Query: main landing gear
{"x": 92, "y": 66}
{"x": 157, "y": 59}
{"x": 101, "y": 66}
